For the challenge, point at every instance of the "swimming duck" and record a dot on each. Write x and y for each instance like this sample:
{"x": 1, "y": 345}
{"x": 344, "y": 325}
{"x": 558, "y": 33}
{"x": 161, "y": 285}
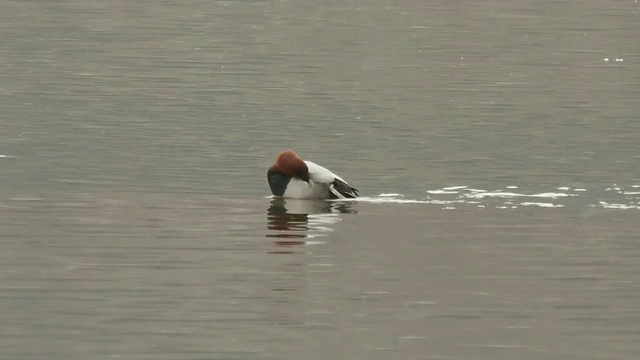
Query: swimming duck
{"x": 292, "y": 177}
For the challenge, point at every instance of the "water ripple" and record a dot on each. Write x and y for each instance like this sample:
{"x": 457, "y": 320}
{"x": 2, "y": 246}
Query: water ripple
{"x": 611, "y": 197}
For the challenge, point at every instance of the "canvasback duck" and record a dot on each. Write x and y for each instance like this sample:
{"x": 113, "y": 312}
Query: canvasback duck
{"x": 292, "y": 177}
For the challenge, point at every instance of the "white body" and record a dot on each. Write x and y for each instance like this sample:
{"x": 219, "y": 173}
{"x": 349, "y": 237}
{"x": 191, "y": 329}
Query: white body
{"x": 320, "y": 184}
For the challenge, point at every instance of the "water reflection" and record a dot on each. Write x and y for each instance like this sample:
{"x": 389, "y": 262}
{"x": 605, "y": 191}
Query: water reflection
{"x": 291, "y": 221}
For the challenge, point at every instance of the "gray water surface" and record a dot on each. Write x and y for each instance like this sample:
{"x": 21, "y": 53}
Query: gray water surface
{"x": 495, "y": 144}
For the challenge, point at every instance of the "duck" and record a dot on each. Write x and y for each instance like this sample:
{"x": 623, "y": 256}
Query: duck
{"x": 292, "y": 177}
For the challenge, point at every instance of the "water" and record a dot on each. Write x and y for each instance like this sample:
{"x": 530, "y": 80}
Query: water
{"x": 495, "y": 145}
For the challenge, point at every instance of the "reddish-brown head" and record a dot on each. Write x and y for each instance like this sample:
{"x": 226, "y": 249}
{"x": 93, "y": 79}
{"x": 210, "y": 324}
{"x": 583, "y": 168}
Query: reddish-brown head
{"x": 291, "y": 164}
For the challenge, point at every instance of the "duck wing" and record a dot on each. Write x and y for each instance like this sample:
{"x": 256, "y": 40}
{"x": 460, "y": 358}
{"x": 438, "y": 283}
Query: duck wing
{"x": 342, "y": 190}
{"x": 337, "y": 186}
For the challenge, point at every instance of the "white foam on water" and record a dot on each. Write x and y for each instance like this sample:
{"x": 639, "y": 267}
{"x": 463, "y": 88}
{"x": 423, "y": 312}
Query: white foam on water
{"x": 565, "y": 188}
{"x": 546, "y": 205}
{"x": 455, "y": 187}
{"x": 438, "y": 192}
{"x": 618, "y": 206}
{"x": 445, "y": 202}
{"x": 500, "y": 194}
{"x": 389, "y": 200}
{"x": 549, "y": 195}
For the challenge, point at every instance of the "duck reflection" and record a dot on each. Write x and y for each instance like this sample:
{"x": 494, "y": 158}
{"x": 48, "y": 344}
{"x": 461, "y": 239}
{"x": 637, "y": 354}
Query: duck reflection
{"x": 291, "y": 221}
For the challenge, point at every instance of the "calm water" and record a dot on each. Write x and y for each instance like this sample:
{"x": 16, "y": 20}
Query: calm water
{"x": 496, "y": 145}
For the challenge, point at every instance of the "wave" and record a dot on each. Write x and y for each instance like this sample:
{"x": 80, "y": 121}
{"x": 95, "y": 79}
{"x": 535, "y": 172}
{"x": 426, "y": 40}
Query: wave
{"x": 512, "y": 196}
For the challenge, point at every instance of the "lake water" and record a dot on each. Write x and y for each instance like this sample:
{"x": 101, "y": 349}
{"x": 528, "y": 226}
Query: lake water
{"x": 495, "y": 143}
